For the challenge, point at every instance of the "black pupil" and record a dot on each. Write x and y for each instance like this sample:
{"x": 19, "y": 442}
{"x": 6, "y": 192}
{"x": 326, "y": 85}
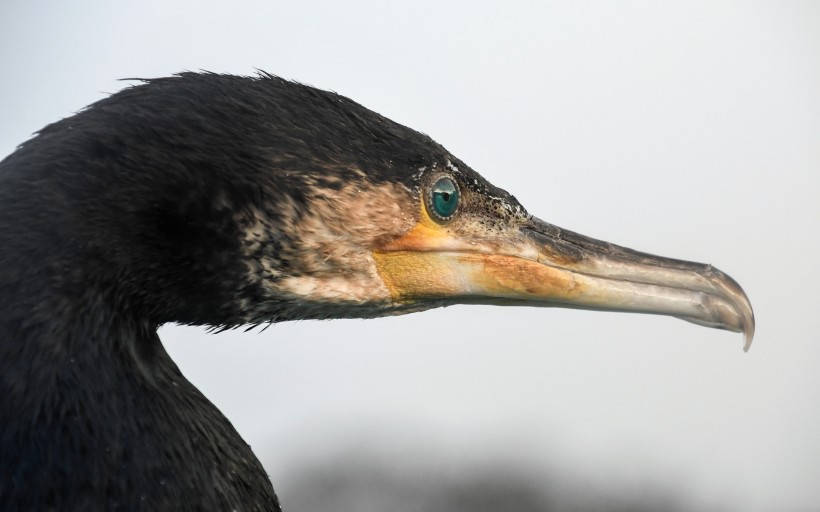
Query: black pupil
{"x": 445, "y": 196}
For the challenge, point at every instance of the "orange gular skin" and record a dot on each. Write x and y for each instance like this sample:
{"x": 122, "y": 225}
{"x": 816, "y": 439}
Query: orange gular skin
{"x": 438, "y": 275}
{"x": 429, "y": 262}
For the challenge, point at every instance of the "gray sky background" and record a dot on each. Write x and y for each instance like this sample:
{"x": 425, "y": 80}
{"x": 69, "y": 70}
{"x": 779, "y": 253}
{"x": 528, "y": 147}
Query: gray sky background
{"x": 689, "y": 130}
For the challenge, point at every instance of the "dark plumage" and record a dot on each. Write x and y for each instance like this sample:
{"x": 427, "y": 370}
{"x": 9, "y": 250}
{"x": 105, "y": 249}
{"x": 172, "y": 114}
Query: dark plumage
{"x": 128, "y": 215}
{"x": 220, "y": 200}
{"x": 121, "y": 218}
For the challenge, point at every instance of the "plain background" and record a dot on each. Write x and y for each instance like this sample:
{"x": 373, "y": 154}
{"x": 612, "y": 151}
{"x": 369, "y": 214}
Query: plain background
{"x": 689, "y": 130}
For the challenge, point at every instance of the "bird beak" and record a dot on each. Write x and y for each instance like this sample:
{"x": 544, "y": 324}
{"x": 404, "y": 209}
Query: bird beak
{"x": 542, "y": 265}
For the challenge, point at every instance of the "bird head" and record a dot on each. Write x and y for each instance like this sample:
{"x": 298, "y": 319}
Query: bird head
{"x": 444, "y": 235}
{"x": 233, "y": 200}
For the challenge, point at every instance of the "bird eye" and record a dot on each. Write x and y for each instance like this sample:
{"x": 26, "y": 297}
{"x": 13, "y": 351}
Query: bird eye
{"x": 443, "y": 199}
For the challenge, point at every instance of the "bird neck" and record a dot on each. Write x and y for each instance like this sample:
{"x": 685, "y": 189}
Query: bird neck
{"x": 50, "y": 339}
{"x": 94, "y": 414}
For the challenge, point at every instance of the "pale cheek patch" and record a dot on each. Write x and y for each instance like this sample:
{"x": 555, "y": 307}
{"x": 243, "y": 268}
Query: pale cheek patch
{"x": 341, "y": 227}
{"x": 324, "y": 251}
{"x": 357, "y": 289}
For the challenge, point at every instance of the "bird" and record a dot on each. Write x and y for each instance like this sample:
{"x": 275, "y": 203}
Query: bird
{"x": 225, "y": 201}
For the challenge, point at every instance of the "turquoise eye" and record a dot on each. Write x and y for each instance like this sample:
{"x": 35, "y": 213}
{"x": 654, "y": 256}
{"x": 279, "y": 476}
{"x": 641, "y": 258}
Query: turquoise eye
{"x": 444, "y": 198}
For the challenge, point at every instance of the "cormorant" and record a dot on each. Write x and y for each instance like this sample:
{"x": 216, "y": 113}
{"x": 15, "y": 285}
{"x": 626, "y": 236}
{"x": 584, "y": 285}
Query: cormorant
{"x": 219, "y": 200}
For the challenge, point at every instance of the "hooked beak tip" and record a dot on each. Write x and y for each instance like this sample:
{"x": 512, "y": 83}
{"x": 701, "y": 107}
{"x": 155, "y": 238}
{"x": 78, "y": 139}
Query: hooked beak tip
{"x": 748, "y": 333}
